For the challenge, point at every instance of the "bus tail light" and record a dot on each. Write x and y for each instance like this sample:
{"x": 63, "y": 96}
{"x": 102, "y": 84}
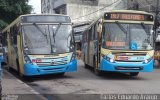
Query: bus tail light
{"x": 109, "y": 59}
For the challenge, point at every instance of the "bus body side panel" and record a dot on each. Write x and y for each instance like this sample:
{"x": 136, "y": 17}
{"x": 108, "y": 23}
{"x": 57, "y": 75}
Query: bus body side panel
{"x": 10, "y": 51}
{"x": 20, "y": 55}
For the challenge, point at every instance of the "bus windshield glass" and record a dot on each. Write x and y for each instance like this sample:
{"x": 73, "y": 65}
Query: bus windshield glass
{"x": 126, "y": 36}
{"x": 47, "y": 39}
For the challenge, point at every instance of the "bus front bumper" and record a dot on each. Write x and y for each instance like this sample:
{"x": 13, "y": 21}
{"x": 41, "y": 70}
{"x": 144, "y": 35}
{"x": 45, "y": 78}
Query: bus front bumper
{"x": 126, "y": 66}
{"x": 30, "y": 69}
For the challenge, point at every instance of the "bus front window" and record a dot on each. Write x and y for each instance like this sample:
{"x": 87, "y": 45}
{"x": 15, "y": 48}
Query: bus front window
{"x": 142, "y": 36}
{"x": 127, "y": 36}
{"x": 47, "y": 39}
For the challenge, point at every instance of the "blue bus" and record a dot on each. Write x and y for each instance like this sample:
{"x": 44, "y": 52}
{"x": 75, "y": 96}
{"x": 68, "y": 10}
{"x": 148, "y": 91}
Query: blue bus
{"x": 40, "y": 44}
{"x": 120, "y": 41}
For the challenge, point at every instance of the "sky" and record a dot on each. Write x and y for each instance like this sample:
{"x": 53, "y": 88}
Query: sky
{"x": 36, "y": 4}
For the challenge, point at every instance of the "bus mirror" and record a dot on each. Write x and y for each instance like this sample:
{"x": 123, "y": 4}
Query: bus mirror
{"x": 99, "y": 30}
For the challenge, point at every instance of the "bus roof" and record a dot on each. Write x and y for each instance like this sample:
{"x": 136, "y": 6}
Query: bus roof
{"x": 43, "y": 14}
{"x": 19, "y": 19}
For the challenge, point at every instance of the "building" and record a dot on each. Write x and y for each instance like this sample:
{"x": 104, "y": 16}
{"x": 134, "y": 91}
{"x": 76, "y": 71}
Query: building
{"x": 143, "y": 5}
{"x": 81, "y": 10}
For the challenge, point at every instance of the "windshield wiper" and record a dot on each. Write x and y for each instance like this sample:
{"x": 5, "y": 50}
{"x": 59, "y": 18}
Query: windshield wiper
{"x": 56, "y": 31}
{"x": 54, "y": 34}
{"x": 121, "y": 27}
{"x": 40, "y": 30}
{"x": 144, "y": 27}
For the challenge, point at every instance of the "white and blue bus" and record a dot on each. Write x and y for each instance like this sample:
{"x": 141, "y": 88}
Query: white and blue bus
{"x": 41, "y": 44}
{"x": 120, "y": 41}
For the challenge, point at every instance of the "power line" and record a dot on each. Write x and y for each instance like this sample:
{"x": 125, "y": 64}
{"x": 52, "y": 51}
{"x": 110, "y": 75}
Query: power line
{"x": 97, "y": 10}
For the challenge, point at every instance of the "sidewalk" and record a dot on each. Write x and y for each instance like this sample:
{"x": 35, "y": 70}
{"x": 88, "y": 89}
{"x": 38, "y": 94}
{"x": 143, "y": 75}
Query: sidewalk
{"x": 13, "y": 88}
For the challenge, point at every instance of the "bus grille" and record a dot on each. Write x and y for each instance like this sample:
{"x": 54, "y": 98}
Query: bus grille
{"x": 128, "y": 68}
{"x": 129, "y": 53}
{"x": 52, "y": 62}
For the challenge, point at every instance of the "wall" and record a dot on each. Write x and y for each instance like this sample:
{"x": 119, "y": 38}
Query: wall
{"x": 82, "y": 13}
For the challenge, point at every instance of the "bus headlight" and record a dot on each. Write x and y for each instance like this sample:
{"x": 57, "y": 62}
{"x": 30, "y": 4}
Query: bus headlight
{"x": 109, "y": 59}
{"x": 147, "y": 60}
{"x": 73, "y": 56}
{"x": 27, "y": 59}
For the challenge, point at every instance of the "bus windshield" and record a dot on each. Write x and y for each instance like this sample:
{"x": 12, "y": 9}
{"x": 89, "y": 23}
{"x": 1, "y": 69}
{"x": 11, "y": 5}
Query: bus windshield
{"x": 47, "y": 39}
{"x": 126, "y": 36}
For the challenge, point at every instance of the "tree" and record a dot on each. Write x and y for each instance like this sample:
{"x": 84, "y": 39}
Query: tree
{"x": 11, "y": 9}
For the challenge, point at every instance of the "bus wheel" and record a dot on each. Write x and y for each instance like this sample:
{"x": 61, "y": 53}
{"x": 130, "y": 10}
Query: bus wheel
{"x": 134, "y": 73}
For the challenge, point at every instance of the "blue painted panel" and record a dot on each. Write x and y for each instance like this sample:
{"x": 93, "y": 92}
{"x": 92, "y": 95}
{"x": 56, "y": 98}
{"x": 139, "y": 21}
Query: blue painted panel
{"x": 108, "y": 66}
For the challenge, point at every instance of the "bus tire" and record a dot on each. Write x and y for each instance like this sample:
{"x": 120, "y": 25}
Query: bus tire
{"x": 134, "y": 73}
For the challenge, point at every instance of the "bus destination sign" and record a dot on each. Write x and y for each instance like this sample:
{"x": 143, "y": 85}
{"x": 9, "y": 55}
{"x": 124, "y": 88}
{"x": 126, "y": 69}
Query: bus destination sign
{"x": 128, "y": 16}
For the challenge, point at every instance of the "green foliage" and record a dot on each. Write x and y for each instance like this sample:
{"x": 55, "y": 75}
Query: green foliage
{"x": 11, "y": 9}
